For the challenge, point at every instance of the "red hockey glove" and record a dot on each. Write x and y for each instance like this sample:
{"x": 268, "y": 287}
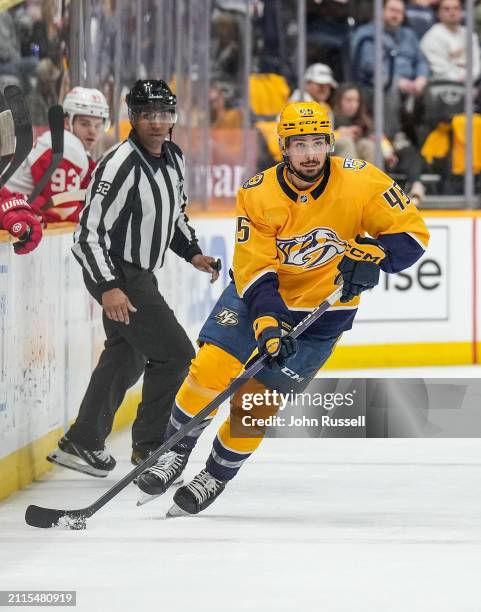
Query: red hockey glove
{"x": 18, "y": 219}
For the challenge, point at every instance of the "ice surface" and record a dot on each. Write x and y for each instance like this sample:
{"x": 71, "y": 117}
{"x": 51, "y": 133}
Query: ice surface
{"x": 327, "y": 525}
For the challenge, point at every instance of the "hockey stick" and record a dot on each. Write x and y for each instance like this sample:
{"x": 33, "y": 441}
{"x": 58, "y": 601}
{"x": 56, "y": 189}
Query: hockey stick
{"x": 36, "y": 516}
{"x": 56, "y": 124}
{"x": 7, "y": 134}
{"x": 23, "y": 130}
{"x": 67, "y": 196}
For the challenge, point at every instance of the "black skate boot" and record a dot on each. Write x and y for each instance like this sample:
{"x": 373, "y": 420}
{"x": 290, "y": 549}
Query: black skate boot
{"x": 160, "y": 476}
{"x": 138, "y": 456}
{"x": 197, "y": 495}
{"x": 76, "y": 457}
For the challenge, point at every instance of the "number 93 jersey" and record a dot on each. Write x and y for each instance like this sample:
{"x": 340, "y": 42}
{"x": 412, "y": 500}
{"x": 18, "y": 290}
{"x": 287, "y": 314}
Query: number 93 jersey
{"x": 290, "y": 242}
{"x": 72, "y": 175}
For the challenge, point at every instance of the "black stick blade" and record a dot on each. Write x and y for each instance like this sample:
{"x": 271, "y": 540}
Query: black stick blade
{"x": 44, "y": 518}
{"x": 56, "y": 125}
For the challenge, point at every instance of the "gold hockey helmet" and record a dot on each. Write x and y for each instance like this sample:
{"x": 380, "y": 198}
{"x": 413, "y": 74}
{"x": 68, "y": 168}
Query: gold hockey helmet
{"x": 300, "y": 118}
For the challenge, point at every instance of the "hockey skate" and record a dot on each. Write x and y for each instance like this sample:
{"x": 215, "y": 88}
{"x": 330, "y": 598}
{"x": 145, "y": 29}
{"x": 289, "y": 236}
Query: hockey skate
{"x": 159, "y": 477}
{"x": 76, "y": 457}
{"x": 197, "y": 495}
{"x": 139, "y": 456}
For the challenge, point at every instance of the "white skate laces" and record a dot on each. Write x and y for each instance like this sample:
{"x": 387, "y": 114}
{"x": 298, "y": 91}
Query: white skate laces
{"x": 102, "y": 455}
{"x": 166, "y": 466}
{"x": 204, "y": 486}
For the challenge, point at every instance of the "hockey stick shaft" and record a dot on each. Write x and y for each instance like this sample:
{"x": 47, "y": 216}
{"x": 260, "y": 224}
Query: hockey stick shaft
{"x": 45, "y": 517}
{"x": 56, "y": 124}
{"x": 66, "y": 197}
{"x": 23, "y": 130}
{"x": 7, "y": 132}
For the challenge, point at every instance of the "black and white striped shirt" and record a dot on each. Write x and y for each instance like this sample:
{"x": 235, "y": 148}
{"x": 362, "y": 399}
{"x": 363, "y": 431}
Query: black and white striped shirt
{"x": 134, "y": 210}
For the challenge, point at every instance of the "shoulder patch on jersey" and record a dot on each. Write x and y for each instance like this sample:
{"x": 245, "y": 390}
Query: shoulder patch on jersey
{"x": 254, "y": 181}
{"x": 354, "y": 164}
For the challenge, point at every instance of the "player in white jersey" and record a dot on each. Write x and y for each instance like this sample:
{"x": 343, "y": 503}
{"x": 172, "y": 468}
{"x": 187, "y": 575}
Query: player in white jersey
{"x": 86, "y": 117}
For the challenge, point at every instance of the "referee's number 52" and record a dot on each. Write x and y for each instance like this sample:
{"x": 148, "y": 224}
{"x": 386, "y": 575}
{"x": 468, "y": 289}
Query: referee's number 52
{"x": 243, "y": 229}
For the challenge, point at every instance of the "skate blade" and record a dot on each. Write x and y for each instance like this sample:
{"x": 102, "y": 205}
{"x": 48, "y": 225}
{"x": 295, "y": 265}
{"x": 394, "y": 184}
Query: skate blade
{"x": 175, "y": 511}
{"x": 145, "y": 498}
{"x": 75, "y": 463}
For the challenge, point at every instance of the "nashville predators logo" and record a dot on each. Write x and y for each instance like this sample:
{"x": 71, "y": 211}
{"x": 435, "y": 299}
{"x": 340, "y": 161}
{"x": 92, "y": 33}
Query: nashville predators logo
{"x": 354, "y": 164}
{"x": 311, "y": 250}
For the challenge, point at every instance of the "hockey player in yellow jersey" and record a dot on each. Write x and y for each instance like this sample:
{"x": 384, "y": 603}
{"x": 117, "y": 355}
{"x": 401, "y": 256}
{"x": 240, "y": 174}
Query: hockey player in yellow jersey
{"x": 302, "y": 227}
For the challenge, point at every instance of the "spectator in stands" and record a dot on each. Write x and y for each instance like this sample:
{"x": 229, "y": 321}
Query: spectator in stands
{"x": 445, "y": 45}
{"x": 404, "y": 63}
{"x": 327, "y": 33}
{"x": 14, "y": 69}
{"x": 221, "y": 116}
{"x": 47, "y": 35}
{"x": 226, "y": 47}
{"x": 421, "y": 15}
{"x": 319, "y": 84}
{"x": 354, "y": 138}
{"x": 354, "y": 127}
{"x": 44, "y": 92}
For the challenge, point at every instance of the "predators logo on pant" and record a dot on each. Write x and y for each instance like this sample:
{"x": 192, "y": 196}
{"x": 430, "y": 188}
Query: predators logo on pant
{"x": 227, "y": 317}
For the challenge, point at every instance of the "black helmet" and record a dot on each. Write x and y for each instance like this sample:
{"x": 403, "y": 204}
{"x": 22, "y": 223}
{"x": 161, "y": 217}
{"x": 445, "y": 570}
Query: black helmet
{"x": 151, "y": 92}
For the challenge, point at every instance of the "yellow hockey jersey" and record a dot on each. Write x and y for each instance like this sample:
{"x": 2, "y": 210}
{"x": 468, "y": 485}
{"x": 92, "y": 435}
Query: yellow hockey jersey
{"x": 292, "y": 241}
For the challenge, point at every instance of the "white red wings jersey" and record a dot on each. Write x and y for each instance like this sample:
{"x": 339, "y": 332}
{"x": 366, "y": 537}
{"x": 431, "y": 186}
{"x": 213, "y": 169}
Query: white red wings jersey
{"x": 72, "y": 175}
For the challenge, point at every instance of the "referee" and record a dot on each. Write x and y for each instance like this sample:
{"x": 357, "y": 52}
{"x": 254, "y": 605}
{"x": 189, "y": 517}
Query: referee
{"x": 134, "y": 212}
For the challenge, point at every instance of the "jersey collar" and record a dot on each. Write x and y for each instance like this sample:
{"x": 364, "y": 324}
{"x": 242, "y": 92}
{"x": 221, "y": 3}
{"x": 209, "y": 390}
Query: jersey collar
{"x": 314, "y": 192}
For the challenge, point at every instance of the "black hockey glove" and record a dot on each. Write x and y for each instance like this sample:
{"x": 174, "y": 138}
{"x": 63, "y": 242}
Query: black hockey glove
{"x": 359, "y": 268}
{"x": 272, "y": 339}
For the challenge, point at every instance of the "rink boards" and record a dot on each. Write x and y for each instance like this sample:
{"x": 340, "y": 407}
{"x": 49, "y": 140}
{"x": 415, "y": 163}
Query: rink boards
{"x": 428, "y": 315}
{"x": 51, "y": 332}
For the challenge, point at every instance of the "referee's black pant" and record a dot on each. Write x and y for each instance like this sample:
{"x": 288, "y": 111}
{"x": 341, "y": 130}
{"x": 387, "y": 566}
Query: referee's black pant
{"x": 155, "y": 344}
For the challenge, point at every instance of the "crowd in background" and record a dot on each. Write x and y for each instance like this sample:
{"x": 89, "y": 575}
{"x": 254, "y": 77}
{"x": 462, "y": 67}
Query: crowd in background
{"x": 424, "y": 46}
{"x": 424, "y": 55}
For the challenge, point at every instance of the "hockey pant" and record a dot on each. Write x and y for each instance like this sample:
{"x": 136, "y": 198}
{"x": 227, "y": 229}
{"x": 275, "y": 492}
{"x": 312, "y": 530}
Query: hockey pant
{"x": 210, "y": 373}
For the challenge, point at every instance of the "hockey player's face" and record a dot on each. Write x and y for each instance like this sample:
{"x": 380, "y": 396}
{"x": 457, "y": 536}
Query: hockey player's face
{"x": 307, "y": 154}
{"x": 88, "y": 130}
